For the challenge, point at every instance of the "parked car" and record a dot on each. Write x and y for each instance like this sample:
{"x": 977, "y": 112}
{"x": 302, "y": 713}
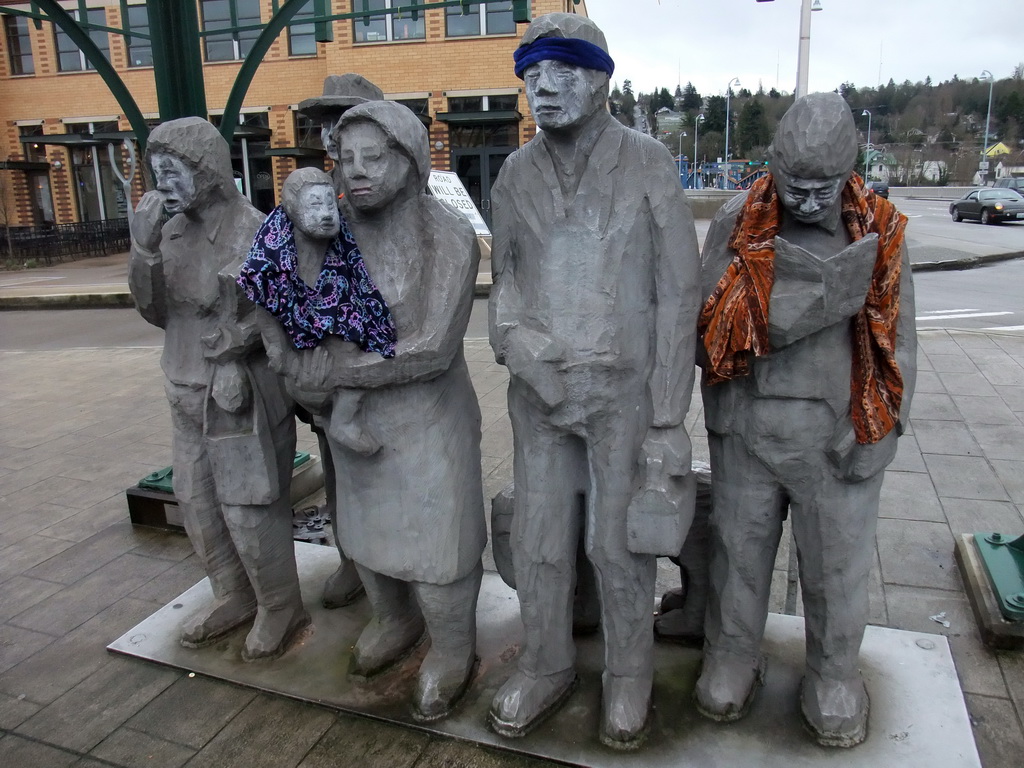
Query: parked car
{"x": 880, "y": 188}
{"x": 1010, "y": 183}
{"x": 989, "y": 206}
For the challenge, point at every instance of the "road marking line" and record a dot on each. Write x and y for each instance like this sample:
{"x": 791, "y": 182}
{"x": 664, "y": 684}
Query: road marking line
{"x": 1005, "y": 328}
{"x": 945, "y": 311}
{"x": 928, "y": 318}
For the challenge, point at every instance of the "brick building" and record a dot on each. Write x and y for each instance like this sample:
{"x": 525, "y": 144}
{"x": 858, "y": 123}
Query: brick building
{"x": 451, "y": 65}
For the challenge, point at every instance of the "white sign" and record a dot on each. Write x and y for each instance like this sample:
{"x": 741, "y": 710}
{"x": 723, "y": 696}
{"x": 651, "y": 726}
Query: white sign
{"x": 447, "y": 187}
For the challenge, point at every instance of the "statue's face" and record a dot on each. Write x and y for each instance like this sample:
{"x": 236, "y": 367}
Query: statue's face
{"x": 175, "y": 181}
{"x": 562, "y": 95}
{"x": 373, "y": 174}
{"x": 330, "y": 145}
{"x": 317, "y": 214}
{"x": 810, "y": 201}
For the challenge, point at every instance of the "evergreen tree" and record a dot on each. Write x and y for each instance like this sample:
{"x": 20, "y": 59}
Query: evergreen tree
{"x": 691, "y": 99}
{"x": 714, "y": 115}
{"x": 752, "y": 129}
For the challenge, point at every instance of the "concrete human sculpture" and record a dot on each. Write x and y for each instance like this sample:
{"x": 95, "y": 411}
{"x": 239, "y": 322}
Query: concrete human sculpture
{"x": 412, "y": 514}
{"x": 340, "y": 93}
{"x": 234, "y": 430}
{"x": 594, "y": 312}
{"x": 809, "y": 356}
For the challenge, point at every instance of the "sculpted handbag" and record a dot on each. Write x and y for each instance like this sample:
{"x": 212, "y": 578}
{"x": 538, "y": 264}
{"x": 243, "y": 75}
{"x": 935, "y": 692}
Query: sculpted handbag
{"x": 240, "y": 445}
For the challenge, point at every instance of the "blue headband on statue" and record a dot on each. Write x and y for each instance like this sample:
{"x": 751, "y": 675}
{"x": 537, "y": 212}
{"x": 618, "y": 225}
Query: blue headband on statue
{"x": 570, "y": 50}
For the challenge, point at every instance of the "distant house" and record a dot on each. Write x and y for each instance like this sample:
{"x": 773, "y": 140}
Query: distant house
{"x": 669, "y": 120}
{"x": 997, "y": 149}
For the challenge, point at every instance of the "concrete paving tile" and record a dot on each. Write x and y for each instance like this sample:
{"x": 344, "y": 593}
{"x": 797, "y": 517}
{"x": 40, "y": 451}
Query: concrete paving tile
{"x": 960, "y": 363}
{"x": 966, "y": 384}
{"x": 1007, "y": 373}
{"x": 45, "y": 491}
{"x": 976, "y": 665}
{"x": 269, "y": 732}
{"x": 16, "y": 479}
{"x": 1000, "y": 441}
{"x": 1011, "y": 473}
{"x": 928, "y": 405}
{"x": 929, "y": 382}
{"x": 191, "y": 711}
{"x": 910, "y": 496}
{"x": 92, "y": 710}
{"x": 92, "y": 520}
{"x": 18, "y": 752}
{"x": 14, "y": 711}
{"x": 20, "y": 593}
{"x": 917, "y": 554}
{"x": 938, "y": 343}
{"x": 129, "y": 747}
{"x": 1012, "y": 665}
{"x": 970, "y": 515}
{"x": 908, "y": 456}
{"x": 353, "y": 742}
{"x": 971, "y": 340}
{"x": 496, "y": 440}
{"x": 496, "y": 480}
{"x": 997, "y": 731}
{"x": 964, "y": 477}
{"x": 63, "y": 664}
{"x": 165, "y": 545}
{"x": 28, "y": 553}
{"x": 172, "y": 582}
{"x": 1013, "y": 397}
{"x": 983, "y": 410}
{"x": 945, "y": 437}
{"x": 79, "y": 560}
{"x": 17, "y": 644}
{"x": 923, "y": 363}
{"x": 444, "y": 753}
{"x": 22, "y": 523}
{"x": 79, "y": 602}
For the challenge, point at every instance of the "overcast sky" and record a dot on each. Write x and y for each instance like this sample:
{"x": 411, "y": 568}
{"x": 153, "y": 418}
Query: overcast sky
{"x": 708, "y": 42}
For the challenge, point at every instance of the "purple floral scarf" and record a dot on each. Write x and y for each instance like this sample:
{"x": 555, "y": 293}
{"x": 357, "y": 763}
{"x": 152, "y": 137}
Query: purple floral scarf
{"x": 344, "y": 302}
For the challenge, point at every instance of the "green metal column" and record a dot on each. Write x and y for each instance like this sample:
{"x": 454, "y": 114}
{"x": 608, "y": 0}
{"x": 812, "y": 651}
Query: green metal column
{"x": 177, "y": 58}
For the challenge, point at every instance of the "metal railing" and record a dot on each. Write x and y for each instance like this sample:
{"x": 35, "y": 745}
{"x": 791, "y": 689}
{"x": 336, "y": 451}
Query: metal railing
{"x": 64, "y": 242}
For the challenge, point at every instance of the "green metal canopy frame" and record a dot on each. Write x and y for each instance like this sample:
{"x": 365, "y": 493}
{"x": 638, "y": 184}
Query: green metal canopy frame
{"x": 177, "y": 57}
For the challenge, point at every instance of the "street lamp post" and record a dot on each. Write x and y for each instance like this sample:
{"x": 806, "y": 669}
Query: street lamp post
{"x": 696, "y": 121}
{"x": 679, "y": 157}
{"x": 804, "y": 51}
{"x": 867, "y": 146}
{"x": 983, "y": 165}
{"x": 728, "y": 92}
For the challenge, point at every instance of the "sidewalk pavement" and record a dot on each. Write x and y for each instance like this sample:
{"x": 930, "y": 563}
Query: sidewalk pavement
{"x": 78, "y": 426}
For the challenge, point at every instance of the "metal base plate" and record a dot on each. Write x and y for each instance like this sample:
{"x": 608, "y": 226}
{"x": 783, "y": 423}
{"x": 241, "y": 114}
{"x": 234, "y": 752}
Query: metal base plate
{"x": 996, "y": 631}
{"x": 918, "y": 716}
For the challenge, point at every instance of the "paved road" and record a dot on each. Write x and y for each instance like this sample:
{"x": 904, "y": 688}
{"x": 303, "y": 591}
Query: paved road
{"x": 933, "y": 236}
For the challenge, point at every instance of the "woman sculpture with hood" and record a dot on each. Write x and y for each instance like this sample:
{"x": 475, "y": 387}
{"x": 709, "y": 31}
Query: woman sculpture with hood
{"x": 405, "y": 429}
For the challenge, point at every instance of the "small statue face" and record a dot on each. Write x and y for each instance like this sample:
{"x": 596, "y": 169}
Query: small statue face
{"x": 175, "y": 181}
{"x": 372, "y": 173}
{"x": 810, "y": 201}
{"x": 317, "y": 216}
{"x": 561, "y": 95}
{"x": 330, "y": 145}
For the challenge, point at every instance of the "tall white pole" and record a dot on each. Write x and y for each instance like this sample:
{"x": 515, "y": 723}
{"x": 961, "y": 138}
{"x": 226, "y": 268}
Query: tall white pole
{"x": 867, "y": 147}
{"x": 696, "y": 121}
{"x": 728, "y": 93}
{"x": 804, "y": 52}
{"x": 988, "y": 117}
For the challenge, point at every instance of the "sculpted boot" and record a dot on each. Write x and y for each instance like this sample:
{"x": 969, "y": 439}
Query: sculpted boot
{"x": 625, "y": 705}
{"x": 395, "y": 629}
{"x": 836, "y": 711}
{"x": 524, "y": 700}
{"x": 342, "y": 587}
{"x": 226, "y": 614}
{"x": 726, "y": 686}
{"x": 450, "y": 614}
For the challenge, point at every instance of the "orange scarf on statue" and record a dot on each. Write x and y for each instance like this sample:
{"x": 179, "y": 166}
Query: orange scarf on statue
{"x": 734, "y": 320}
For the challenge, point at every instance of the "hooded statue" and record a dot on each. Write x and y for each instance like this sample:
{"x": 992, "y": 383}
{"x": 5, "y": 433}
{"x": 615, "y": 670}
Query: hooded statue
{"x": 234, "y": 429}
{"x": 803, "y": 406}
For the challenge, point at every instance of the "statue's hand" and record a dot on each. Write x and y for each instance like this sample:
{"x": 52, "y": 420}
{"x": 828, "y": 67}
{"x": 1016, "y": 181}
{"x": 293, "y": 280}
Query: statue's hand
{"x": 148, "y": 221}
{"x": 537, "y": 360}
{"x": 666, "y": 452}
{"x": 231, "y": 389}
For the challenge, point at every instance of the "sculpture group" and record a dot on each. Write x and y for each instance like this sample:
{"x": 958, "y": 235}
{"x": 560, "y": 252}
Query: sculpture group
{"x": 349, "y": 302}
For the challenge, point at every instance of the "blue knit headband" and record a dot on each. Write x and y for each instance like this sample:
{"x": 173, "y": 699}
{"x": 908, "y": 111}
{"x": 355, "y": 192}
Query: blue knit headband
{"x": 570, "y": 50}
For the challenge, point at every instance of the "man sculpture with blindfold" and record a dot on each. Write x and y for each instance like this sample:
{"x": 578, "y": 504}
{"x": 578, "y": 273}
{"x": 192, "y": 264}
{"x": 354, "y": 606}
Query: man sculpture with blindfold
{"x": 594, "y": 312}
{"x": 809, "y": 355}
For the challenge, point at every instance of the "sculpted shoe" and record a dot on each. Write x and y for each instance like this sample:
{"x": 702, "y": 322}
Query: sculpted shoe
{"x": 443, "y": 679}
{"x": 625, "y": 704}
{"x": 681, "y": 626}
{"x": 273, "y": 631}
{"x": 343, "y": 586}
{"x": 726, "y": 686}
{"x": 836, "y": 711}
{"x": 673, "y": 600}
{"x": 206, "y": 628}
{"x": 381, "y": 644}
{"x": 523, "y": 701}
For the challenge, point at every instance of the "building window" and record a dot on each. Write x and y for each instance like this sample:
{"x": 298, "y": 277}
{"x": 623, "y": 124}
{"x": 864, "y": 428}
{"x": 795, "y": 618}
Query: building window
{"x": 36, "y": 151}
{"x": 302, "y": 37}
{"x": 69, "y": 57}
{"x": 19, "y": 45}
{"x": 387, "y": 26}
{"x": 307, "y": 132}
{"x": 140, "y": 50}
{"x": 496, "y": 19}
{"x": 418, "y": 106}
{"x": 225, "y": 14}
{"x": 492, "y": 103}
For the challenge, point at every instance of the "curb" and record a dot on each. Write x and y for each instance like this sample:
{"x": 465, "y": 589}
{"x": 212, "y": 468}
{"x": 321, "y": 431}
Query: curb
{"x": 969, "y": 262}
